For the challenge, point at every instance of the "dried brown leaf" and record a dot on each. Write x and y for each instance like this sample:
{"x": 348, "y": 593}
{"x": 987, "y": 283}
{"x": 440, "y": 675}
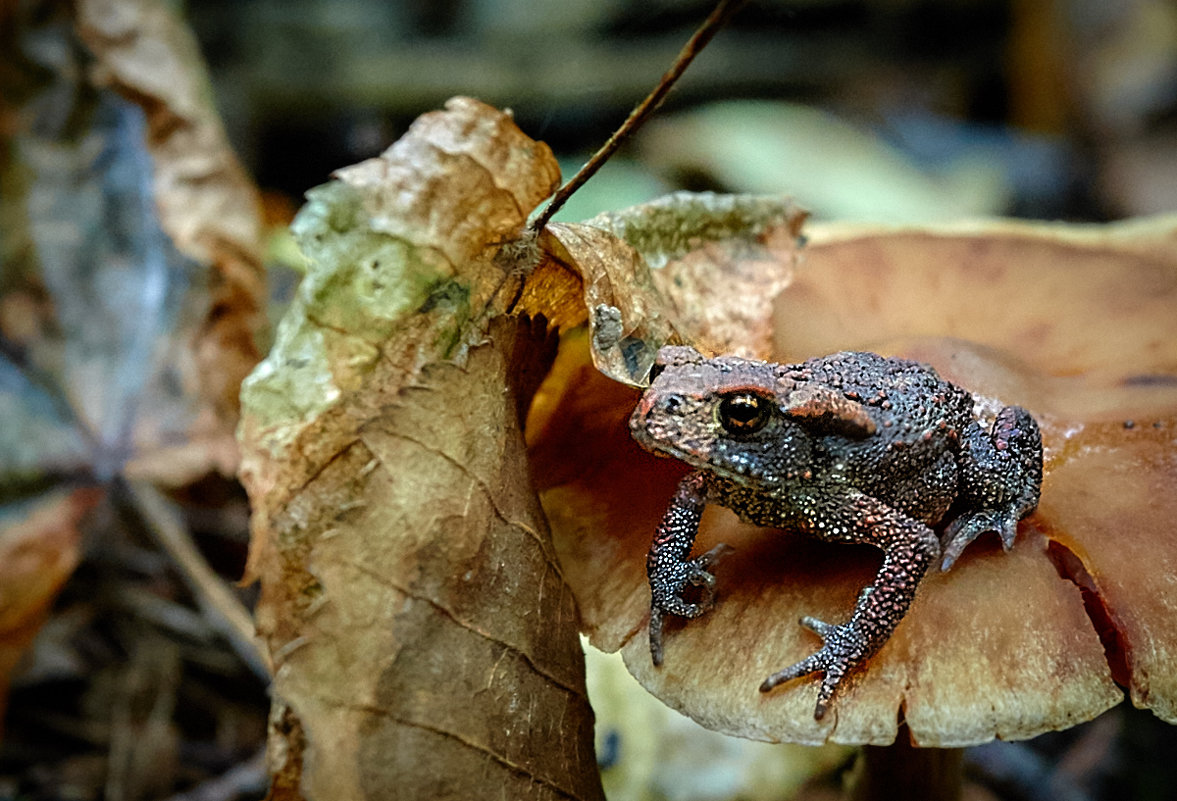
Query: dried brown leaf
{"x": 38, "y": 553}
{"x": 423, "y": 636}
{"x": 210, "y": 209}
{"x": 133, "y": 288}
{"x": 687, "y": 267}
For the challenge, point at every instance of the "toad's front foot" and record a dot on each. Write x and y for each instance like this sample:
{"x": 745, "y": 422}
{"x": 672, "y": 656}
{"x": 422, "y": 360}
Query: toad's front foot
{"x": 843, "y": 647}
{"x": 667, "y": 585}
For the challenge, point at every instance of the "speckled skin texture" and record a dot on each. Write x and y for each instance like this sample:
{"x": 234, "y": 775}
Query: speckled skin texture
{"x": 852, "y": 447}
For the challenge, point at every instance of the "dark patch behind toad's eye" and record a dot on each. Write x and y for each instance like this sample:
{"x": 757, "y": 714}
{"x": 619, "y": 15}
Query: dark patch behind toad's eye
{"x": 743, "y": 413}
{"x": 656, "y": 370}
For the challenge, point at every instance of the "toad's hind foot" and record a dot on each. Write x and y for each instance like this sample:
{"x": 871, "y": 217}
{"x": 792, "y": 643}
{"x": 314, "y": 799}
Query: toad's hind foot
{"x": 971, "y": 525}
{"x": 1001, "y": 482}
{"x": 843, "y": 647}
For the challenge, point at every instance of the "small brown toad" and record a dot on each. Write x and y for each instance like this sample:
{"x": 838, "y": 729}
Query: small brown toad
{"x": 852, "y": 447}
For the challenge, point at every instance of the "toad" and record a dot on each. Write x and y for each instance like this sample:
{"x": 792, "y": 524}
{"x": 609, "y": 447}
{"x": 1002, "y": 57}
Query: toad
{"x": 852, "y": 448}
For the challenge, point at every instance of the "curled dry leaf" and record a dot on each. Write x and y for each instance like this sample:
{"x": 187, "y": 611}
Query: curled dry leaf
{"x": 38, "y": 552}
{"x": 424, "y": 639}
{"x": 210, "y": 211}
{"x": 688, "y": 267}
{"x": 133, "y": 283}
{"x": 1075, "y": 324}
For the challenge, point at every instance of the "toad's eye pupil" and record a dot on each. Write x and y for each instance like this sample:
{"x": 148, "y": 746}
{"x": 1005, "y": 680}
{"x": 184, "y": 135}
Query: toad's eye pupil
{"x": 744, "y": 413}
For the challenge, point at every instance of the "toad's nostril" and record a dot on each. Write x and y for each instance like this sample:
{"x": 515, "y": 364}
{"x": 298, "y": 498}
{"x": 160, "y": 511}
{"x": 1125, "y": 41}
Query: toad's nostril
{"x": 672, "y": 404}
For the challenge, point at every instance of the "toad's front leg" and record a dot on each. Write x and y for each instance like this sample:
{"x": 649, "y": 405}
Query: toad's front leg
{"x": 909, "y": 547}
{"x": 669, "y": 570}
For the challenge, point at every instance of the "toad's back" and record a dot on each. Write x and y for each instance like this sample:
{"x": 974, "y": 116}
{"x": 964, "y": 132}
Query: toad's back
{"x": 910, "y": 462}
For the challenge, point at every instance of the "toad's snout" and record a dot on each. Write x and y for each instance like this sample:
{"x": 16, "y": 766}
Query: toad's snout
{"x": 654, "y": 412}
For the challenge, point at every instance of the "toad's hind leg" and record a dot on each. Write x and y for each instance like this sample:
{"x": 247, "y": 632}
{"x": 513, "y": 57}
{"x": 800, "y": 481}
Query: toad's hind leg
{"x": 909, "y": 547}
{"x": 1000, "y": 479}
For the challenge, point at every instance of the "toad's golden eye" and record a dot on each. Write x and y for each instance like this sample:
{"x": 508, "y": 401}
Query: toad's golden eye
{"x": 743, "y": 412}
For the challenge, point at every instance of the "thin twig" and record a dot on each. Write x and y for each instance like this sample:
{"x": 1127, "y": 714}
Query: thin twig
{"x": 223, "y": 609}
{"x": 718, "y": 18}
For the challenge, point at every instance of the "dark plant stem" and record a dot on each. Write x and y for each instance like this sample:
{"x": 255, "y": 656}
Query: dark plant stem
{"x": 902, "y": 771}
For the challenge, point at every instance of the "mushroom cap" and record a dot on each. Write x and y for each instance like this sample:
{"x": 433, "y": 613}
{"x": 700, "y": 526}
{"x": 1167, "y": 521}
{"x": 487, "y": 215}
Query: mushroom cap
{"x": 1076, "y": 325}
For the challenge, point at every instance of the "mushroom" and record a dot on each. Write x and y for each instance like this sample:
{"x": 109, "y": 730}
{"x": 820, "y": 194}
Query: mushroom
{"x": 1074, "y": 324}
